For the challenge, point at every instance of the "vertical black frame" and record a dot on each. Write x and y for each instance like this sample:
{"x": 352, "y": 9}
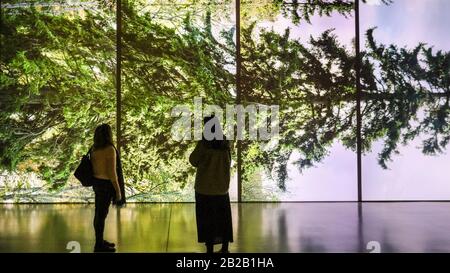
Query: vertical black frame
{"x": 358, "y": 102}
{"x": 118, "y": 74}
{"x": 238, "y": 95}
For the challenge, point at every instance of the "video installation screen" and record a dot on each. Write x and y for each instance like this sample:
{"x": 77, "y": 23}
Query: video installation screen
{"x": 60, "y": 79}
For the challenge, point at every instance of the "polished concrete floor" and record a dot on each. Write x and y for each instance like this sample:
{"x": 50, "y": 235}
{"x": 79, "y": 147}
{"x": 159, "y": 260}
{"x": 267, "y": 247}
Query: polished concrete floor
{"x": 258, "y": 227}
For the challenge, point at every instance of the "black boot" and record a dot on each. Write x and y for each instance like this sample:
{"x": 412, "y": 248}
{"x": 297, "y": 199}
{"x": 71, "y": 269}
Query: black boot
{"x": 209, "y": 248}
{"x": 101, "y": 247}
{"x": 106, "y": 243}
{"x": 224, "y": 248}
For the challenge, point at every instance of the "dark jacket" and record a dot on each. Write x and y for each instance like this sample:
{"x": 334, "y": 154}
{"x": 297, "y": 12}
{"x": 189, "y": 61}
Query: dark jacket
{"x": 213, "y": 168}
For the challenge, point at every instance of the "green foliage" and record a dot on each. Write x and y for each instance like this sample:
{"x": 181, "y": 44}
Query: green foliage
{"x": 57, "y": 83}
{"x": 56, "y": 86}
{"x": 410, "y": 97}
{"x": 405, "y": 94}
{"x": 316, "y": 102}
{"x": 304, "y": 10}
{"x": 164, "y": 67}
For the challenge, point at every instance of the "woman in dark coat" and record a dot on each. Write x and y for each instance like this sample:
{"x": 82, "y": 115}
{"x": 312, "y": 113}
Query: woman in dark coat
{"x": 213, "y": 212}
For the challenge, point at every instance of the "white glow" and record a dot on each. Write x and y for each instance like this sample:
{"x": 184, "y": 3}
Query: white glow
{"x": 373, "y": 2}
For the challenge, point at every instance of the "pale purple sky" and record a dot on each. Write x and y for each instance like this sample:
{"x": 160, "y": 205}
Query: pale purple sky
{"x": 412, "y": 175}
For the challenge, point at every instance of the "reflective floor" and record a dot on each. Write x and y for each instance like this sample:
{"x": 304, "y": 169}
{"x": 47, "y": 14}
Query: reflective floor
{"x": 258, "y": 227}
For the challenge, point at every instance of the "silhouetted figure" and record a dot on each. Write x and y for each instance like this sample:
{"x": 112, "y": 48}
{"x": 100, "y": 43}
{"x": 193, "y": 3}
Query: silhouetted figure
{"x": 212, "y": 203}
{"x": 108, "y": 183}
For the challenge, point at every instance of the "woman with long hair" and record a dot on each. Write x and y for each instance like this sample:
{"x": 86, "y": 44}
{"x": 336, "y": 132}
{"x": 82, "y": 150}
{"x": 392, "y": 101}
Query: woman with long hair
{"x": 212, "y": 159}
{"x": 106, "y": 183}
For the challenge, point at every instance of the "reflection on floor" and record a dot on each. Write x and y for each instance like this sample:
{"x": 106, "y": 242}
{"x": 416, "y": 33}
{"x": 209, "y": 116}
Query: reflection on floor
{"x": 258, "y": 227}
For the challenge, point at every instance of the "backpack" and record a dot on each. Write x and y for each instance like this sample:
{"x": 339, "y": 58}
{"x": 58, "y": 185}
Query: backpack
{"x": 84, "y": 172}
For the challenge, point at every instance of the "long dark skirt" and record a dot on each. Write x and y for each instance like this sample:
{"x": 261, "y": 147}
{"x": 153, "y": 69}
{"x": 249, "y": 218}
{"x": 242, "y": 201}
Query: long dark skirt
{"x": 213, "y": 214}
